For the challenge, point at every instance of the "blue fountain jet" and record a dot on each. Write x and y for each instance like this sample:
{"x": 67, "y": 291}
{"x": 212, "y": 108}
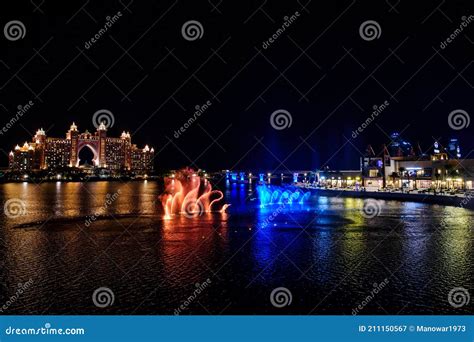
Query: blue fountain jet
{"x": 269, "y": 195}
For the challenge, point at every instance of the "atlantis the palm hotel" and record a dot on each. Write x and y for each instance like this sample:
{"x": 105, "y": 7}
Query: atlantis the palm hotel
{"x": 114, "y": 154}
{"x": 402, "y": 165}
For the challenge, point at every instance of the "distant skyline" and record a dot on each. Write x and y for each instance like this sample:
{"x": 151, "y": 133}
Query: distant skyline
{"x": 142, "y": 67}
{"x": 418, "y": 148}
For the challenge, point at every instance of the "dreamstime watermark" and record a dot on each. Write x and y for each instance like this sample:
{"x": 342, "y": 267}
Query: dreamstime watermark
{"x": 103, "y": 297}
{"x": 273, "y": 216}
{"x": 192, "y": 30}
{"x": 459, "y": 297}
{"x": 14, "y": 208}
{"x": 465, "y": 22}
{"x": 370, "y": 30}
{"x": 193, "y": 209}
{"x": 377, "y": 110}
{"x": 199, "y": 110}
{"x": 111, "y": 20}
{"x": 199, "y": 289}
{"x": 459, "y": 119}
{"x": 22, "y": 110}
{"x": 467, "y": 198}
{"x": 46, "y": 330}
{"x": 277, "y": 212}
{"x": 14, "y": 30}
{"x": 377, "y": 288}
{"x": 286, "y": 24}
{"x": 22, "y": 287}
{"x": 371, "y": 208}
{"x": 281, "y": 297}
{"x": 281, "y": 119}
{"x": 109, "y": 200}
{"x": 103, "y": 116}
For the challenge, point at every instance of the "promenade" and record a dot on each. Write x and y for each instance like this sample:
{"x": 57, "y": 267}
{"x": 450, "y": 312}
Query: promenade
{"x": 463, "y": 200}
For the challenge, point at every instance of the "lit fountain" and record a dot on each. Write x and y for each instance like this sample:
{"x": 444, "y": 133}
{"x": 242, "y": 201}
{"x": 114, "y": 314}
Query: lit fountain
{"x": 269, "y": 195}
{"x": 185, "y": 194}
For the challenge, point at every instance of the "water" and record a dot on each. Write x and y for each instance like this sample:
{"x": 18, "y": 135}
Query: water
{"x": 325, "y": 252}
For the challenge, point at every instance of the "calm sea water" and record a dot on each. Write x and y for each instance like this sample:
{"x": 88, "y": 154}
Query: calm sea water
{"x": 325, "y": 252}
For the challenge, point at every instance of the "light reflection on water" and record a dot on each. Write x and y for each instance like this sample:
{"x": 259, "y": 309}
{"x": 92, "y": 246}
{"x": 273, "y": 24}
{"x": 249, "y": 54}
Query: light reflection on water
{"x": 325, "y": 251}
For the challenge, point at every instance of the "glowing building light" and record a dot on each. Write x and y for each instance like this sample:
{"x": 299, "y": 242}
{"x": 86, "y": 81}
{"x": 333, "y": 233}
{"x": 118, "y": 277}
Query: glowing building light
{"x": 295, "y": 177}
{"x": 102, "y": 126}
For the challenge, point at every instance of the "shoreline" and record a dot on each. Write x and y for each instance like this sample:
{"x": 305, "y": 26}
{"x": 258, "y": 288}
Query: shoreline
{"x": 450, "y": 200}
{"x": 90, "y": 180}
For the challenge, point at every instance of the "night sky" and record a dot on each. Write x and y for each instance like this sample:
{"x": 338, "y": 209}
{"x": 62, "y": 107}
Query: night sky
{"x": 320, "y": 70}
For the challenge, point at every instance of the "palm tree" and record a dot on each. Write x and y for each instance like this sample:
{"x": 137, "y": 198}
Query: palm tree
{"x": 401, "y": 171}
{"x": 448, "y": 171}
{"x": 394, "y": 176}
{"x": 414, "y": 179}
{"x": 462, "y": 174}
{"x": 455, "y": 173}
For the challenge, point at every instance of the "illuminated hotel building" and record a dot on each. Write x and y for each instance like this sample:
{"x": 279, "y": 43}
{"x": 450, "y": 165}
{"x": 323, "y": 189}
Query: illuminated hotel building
{"x": 114, "y": 154}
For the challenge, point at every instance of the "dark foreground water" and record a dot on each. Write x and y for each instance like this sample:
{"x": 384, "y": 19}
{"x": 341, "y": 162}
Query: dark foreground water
{"x": 326, "y": 253}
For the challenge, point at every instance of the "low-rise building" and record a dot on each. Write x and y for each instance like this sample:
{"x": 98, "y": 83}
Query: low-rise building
{"x": 441, "y": 168}
{"x": 339, "y": 178}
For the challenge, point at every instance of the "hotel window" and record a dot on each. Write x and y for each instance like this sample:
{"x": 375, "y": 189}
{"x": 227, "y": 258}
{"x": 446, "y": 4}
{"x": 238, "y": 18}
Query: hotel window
{"x": 373, "y": 173}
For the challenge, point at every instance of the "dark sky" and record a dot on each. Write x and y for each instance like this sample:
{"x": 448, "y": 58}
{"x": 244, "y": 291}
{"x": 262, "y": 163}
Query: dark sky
{"x": 320, "y": 70}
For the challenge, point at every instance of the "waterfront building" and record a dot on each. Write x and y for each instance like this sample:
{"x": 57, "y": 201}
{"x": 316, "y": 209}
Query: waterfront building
{"x": 453, "y": 149}
{"x": 115, "y": 154}
{"x": 339, "y": 178}
{"x": 400, "y": 147}
{"x": 401, "y": 167}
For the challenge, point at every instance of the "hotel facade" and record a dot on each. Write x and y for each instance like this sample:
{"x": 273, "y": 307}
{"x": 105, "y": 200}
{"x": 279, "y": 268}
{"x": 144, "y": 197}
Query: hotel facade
{"x": 117, "y": 155}
{"x": 402, "y": 165}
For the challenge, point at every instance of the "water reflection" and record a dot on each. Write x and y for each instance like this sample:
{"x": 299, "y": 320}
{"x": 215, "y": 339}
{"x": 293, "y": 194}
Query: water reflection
{"x": 324, "y": 250}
